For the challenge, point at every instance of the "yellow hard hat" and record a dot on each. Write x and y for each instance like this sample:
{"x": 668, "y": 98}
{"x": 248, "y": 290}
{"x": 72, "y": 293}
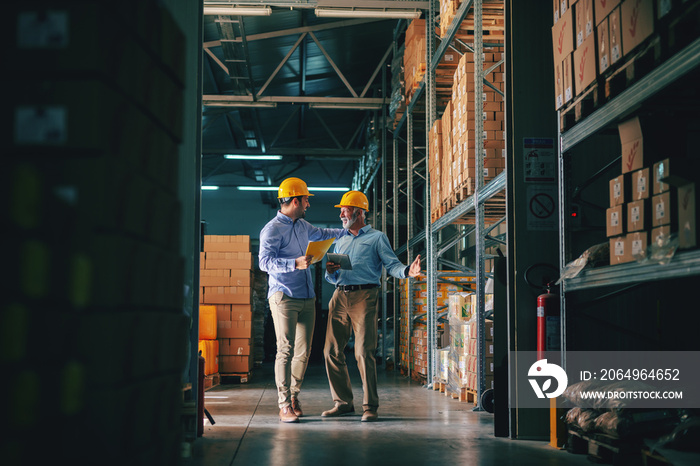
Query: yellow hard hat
{"x": 354, "y": 199}
{"x": 292, "y": 187}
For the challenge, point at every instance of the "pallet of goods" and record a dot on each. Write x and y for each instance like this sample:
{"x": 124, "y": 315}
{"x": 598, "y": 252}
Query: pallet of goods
{"x": 226, "y": 283}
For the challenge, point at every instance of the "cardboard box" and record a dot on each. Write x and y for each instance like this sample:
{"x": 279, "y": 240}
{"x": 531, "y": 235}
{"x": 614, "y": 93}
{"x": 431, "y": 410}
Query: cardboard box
{"x": 214, "y": 281}
{"x": 584, "y": 64}
{"x": 472, "y": 364}
{"x": 238, "y": 246}
{"x": 618, "y": 193}
{"x": 638, "y": 215}
{"x": 619, "y": 252}
{"x": 567, "y": 67}
{"x": 637, "y": 244}
{"x": 603, "y": 8}
{"x": 660, "y": 234}
{"x": 235, "y": 346}
{"x": 234, "y": 329}
{"x": 632, "y": 144}
{"x": 558, "y": 86}
{"x": 661, "y": 209}
{"x": 674, "y": 172}
{"x": 661, "y": 171}
{"x": 583, "y": 12}
{"x": 615, "y": 36}
{"x": 687, "y": 231}
{"x": 488, "y": 330}
{"x": 603, "y": 33}
{"x": 637, "y": 20}
{"x": 563, "y": 36}
{"x": 235, "y": 364}
{"x": 614, "y": 220}
{"x": 641, "y": 184}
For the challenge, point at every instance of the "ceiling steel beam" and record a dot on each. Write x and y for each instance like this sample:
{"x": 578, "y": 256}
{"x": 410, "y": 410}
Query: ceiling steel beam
{"x": 232, "y": 100}
{"x": 311, "y": 153}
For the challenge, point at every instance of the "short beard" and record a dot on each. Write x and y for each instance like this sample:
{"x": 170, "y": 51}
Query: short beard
{"x": 348, "y": 223}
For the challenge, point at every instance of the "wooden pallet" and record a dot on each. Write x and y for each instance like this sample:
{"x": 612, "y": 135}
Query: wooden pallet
{"x": 236, "y": 377}
{"x": 633, "y": 69}
{"x": 211, "y": 381}
{"x": 583, "y": 105}
{"x": 602, "y": 448}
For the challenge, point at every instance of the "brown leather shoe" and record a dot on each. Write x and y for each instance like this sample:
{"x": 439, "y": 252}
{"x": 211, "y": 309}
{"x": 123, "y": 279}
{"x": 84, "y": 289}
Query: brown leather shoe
{"x": 338, "y": 410}
{"x": 287, "y": 415}
{"x": 369, "y": 416}
{"x": 296, "y": 407}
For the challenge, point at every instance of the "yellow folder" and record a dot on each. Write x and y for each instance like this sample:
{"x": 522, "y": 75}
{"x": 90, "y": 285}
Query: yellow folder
{"x": 318, "y": 249}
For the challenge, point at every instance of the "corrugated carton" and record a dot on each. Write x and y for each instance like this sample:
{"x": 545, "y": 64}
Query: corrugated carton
{"x": 563, "y": 39}
{"x": 641, "y": 184}
{"x": 618, "y": 191}
{"x": 687, "y": 201}
{"x": 637, "y": 20}
{"x": 614, "y": 220}
{"x": 632, "y": 144}
{"x": 603, "y": 33}
{"x": 585, "y": 65}
{"x": 603, "y": 8}
{"x": 638, "y": 215}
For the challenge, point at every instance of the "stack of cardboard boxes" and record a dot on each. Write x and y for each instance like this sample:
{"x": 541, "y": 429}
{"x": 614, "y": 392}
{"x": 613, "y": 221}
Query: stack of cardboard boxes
{"x": 413, "y": 346}
{"x": 452, "y": 139}
{"x": 463, "y": 354}
{"x": 414, "y": 64}
{"x": 650, "y": 200}
{"x": 590, "y": 38}
{"x": 464, "y": 95}
{"x": 226, "y": 282}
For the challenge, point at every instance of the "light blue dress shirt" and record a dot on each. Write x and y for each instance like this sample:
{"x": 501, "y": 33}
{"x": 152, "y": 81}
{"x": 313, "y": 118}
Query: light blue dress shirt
{"x": 368, "y": 251}
{"x": 282, "y": 240}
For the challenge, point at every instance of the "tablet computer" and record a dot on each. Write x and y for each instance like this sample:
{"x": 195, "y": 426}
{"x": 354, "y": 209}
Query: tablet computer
{"x": 342, "y": 259}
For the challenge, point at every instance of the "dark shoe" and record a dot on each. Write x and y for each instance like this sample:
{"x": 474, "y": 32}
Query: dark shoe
{"x": 287, "y": 415}
{"x": 338, "y": 410}
{"x": 296, "y": 407}
{"x": 369, "y": 416}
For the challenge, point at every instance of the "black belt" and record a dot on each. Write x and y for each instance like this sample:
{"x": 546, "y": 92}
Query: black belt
{"x": 356, "y": 287}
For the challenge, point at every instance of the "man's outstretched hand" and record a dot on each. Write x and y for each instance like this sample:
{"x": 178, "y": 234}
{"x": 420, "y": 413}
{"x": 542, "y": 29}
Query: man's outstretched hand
{"x": 414, "y": 270}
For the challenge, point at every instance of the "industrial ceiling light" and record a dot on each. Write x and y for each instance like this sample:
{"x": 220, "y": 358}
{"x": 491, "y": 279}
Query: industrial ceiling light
{"x": 252, "y": 157}
{"x": 217, "y": 8}
{"x": 275, "y": 188}
{"x": 366, "y": 13}
{"x": 209, "y": 188}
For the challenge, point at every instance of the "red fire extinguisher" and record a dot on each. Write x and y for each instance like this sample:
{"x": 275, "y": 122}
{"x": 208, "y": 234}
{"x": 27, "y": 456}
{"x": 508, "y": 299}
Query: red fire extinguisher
{"x": 548, "y": 322}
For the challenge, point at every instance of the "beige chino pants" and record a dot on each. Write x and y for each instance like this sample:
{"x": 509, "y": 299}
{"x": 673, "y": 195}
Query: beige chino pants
{"x": 352, "y": 311}
{"x": 294, "y": 321}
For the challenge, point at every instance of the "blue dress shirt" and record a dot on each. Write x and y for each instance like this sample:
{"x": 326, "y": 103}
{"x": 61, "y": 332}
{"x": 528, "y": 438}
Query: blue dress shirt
{"x": 282, "y": 240}
{"x": 368, "y": 251}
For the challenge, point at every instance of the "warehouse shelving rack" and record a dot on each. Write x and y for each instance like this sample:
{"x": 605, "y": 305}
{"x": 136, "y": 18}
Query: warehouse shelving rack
{"x": 486, "y": 204}
{"x": 683, "y": 264}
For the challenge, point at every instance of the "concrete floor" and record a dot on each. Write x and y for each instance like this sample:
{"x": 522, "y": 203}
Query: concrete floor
{"x": 416, "y": 426}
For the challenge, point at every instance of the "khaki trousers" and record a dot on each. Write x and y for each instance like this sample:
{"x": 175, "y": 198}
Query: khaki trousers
{"x": 294, "y": 321}
{"x": 352, "y": 311}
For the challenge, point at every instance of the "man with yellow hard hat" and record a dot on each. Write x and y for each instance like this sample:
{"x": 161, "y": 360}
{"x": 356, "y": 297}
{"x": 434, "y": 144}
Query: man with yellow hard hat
{"x": 291, "y": 295}
{"x": 353, "y": 307}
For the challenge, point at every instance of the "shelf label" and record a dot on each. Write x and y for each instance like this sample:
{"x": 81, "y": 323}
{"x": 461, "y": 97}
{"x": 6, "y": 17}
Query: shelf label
{"x": 540, "y": 160}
